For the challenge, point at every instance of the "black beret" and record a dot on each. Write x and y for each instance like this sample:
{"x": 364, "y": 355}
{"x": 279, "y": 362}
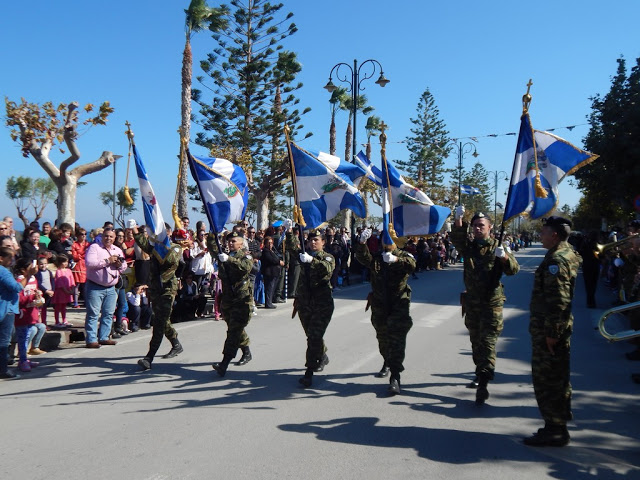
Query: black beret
{"x": 479, "y": 215}
{"x": 234, "y": 234}
{"x": 314, "y": 233}
{"x": 557, "y": 223}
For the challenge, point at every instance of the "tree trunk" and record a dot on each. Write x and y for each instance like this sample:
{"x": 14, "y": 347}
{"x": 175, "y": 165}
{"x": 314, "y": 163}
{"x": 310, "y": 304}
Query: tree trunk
{"x": 332, "y": 137}
{"x": 67, "y": 200}
{"x": 185, "y": 126}
{"x": 262, "y": 202}
{"x": 347, "y": 143}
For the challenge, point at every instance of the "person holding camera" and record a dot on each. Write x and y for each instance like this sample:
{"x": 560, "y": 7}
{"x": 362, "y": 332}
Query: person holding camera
{"x": 105, "y": 263}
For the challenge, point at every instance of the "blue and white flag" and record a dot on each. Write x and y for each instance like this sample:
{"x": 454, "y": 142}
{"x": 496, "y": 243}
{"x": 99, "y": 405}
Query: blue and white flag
{"x": 554, "y": 159}
{"x": 371, "y": 171}
{"x": 469, "y": 190}
{"x": 411, "y": 211}
{"x": 152, "y": 215}
{"x": 223, "y": 189}
{"x": 325, "y": 186}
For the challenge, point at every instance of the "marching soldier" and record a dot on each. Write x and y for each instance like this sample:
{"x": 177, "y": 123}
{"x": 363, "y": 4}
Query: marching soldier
{"x": 163, "y": 286}
{"x": 390, "y": 302}
{"x": 484, "y": 263}
{"x": 550, "y": 327}
{"x": 314, "y": 301}
{"x": 236, "y": 302}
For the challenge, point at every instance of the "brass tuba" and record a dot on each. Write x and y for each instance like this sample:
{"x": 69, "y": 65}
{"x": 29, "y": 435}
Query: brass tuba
{"x": 624, "y": 335}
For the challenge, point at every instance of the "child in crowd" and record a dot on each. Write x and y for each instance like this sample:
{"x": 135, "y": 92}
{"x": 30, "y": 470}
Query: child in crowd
{"x": 30, "y": 299}
{"x": 139, "y": 313}
{"x": 46, "y": 284}
{"x": 63, "y": 293}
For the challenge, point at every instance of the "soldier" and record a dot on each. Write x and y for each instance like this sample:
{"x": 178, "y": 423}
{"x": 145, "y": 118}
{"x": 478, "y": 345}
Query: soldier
{"x": 236, "y": 301}
{"x": 390, "y": 301}
{"x": 550, "y": 327}
{"x": 163, "y": 286}
{"x": 484, "y": 263}
{"x": 314, "y": 302}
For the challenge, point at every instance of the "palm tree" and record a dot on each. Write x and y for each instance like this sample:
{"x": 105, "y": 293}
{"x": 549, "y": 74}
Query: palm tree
{"x": 338, "y": 96}
{"x": 198, "y": 17}
{"x": 347, "y": 104}
{"x": 372, "y": 128}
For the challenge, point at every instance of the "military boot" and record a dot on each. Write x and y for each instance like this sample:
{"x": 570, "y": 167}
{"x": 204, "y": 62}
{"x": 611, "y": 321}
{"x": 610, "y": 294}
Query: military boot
{"x": 474, "y": 383}
{"x": 176, "y": 349}
{"x": 307, "y": 380}
{"x": 246, "y": 357}
{"x": 145, "y": 363}
{"x": 394, "y": 384}
{"x": 384, "y": 371}
{"x": 549, "y": 436}
{"x": 221, "y": 367}
{"x": 482, "y": 393}
{"x": 324, "y": 361}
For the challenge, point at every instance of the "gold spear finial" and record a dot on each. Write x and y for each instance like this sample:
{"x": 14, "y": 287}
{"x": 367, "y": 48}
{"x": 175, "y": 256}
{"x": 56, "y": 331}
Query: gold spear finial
{"x": 128, "y": 132}
{"x": 526, "y": 99}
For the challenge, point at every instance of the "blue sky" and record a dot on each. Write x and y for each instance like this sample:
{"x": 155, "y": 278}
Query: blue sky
{"x": 475, "y": 57}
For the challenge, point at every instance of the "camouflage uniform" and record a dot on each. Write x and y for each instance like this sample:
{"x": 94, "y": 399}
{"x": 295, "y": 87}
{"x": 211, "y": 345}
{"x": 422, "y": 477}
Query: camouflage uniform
{"x": 236, "y": 300}
{"x": 484, "y": 296}
{"x": 390, "y": 303}
{"x": 163, "y": 285}
{"x": 314, "y": 301}
{"x": 551, "y": 317}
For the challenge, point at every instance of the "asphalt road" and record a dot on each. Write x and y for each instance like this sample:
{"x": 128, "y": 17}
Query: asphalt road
{"x": 91, "y": 413}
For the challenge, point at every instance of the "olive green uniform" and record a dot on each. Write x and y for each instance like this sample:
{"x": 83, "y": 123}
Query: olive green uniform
{"x": 551, "y": 317}
{"x": 236, "y": 301}
{"x": 314, "y": 300}
{"x": 163, "y": 286}
{"x": 390, "y": 303}
{"x": 484, "y": 296}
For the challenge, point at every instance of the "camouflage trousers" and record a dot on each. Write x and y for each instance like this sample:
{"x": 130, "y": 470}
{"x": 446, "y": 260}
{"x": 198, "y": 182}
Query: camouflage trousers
{"x": 551, "y": 373}
{"x": 236, "y": 315}
{"x": 485, "y": 326}
{"x": 391, "y": 332}
{"x": 315, "y": 318}
{"x": 161, "y": 306}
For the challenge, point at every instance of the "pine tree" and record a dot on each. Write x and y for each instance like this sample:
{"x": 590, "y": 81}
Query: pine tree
{"x": 478, "y": 177}
{"x": 253, "y": 96}
{"x": 428, "y": 145}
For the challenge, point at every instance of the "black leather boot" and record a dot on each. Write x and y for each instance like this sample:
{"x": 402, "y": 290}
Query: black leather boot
{"x": 145, "y": 363}
{"x": 394, "y": 384}
{"x": 474, "y": 383}
{"x": 549, "y": 436}
{"x": 221, "y": 367}
{"x": 307, "y": 380}
{"x": 323, "y": 362}
{"x": 384, "y": 371}
{"x": 176, "y": 349}
{"x": 482, "y": 393}
{"x": 246, "y": 357}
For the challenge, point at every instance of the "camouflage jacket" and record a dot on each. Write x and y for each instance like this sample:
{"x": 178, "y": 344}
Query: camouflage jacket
{"x": 315, "y": 277}
{"x": 481, "y": 279}
{"x": 162, "y": 273}
{"x": 388, "y": 280}
{"x": 553, "y": 287}
{"x": 234, "y": 273}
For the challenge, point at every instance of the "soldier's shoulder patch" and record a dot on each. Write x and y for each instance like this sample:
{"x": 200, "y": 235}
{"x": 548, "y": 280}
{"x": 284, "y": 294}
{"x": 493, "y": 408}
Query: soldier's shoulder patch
{"x": 249, "y": 256}
{"x": 554, "y": 269}
{"x": 328, "y": 259}
{"x": 409, "y": 255}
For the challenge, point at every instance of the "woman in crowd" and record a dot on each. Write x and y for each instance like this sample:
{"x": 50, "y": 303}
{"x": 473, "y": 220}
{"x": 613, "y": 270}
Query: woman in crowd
{"x": 270, "y": 266}
{"x": 78, "y": 252}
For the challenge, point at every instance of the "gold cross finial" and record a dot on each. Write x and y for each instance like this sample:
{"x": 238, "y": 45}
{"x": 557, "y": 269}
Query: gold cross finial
{"x": 129, "y": 133}
{"x": 526, "y": 99}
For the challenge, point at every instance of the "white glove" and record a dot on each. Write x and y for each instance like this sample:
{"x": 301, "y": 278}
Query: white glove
{"x": 500, "y": 252}
{"x": 365, "y": 235}
{"x": 305, "y": 257}
{"x": 223, "y": 257}
{"x": 287, "y": 224}
{"x": 389, "y": 257}
{"x": 459, "y": 211}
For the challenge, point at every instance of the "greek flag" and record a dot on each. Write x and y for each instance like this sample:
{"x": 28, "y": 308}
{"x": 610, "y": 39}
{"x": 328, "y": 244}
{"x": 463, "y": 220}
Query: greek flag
{"x": 469, "y": 190}
{"x": 411, "y": 211}
{"x": 372, "y": 172}
{"x": 555, "y": 158}
{"x": 223, "y": 189}
{"x": 152, "y": 215}
{"x": 325, "y": 186}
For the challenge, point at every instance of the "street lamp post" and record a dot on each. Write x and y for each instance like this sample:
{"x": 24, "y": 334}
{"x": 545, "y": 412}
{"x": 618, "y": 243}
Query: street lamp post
{"x": 497, "y": 176}
{"x": 352, "y": 77}
{"x": 461, "y": 150}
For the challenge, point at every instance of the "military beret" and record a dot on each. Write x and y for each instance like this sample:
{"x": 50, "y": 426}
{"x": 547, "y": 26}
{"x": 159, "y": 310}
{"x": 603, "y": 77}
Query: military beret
{"x": 479, "y": 215}
{"x": 314, "y": 233}
{"x": 233, "y": 234}
{"x": 558, "y": 223}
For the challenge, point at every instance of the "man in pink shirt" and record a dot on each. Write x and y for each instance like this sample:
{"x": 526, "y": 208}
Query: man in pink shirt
{"x": 105, "y": 262}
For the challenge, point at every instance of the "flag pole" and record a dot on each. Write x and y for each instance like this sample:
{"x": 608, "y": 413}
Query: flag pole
{"x": 297, "y": 212}
{"x": 526, "y": 101}
{"x": 385, "y": 166}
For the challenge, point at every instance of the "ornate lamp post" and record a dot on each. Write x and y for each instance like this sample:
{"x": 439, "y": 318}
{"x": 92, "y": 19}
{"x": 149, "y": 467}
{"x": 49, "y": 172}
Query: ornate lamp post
{"x": 497, "y": 176}
{"x": 353, "y": 77}
{"x": 461, "y": 150}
